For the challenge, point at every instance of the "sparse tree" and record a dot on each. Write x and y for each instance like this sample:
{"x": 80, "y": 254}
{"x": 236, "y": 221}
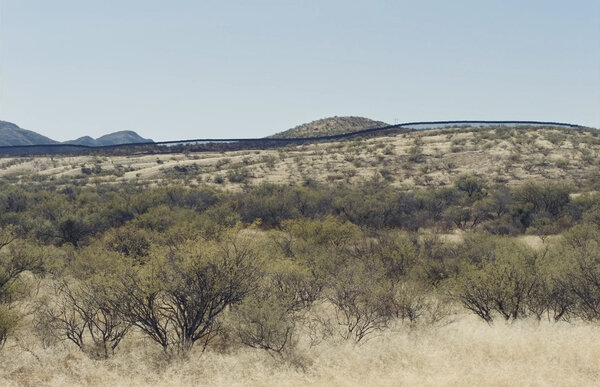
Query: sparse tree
{"x": 18, "y": 259}
{"x": 471, "y": 185}
{"x": 361, "y": 299}
{"x": 83, "y": 314}
{"x": 177, "y": 297}
{"x": 502, "y": 283}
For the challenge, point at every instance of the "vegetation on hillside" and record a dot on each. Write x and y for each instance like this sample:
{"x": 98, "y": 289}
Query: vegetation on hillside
{"x": 181, "y": 272}
{"x": 432, "y": 158}
{"x": 330, "y": 126}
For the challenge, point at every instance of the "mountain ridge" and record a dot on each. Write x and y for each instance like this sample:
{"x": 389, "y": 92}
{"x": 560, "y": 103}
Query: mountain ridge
{"x": 120, "y": 137}
{"x": 13, "y": 135}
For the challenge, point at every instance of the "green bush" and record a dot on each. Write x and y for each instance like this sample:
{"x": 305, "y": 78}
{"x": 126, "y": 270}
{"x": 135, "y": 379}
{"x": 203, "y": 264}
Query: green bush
{"x": 9, "y": 320}
{"x": 577, "y": 272}
{"x": 178, "y": 296}
{"x": 18, "y": 259}
{"x": 267, "y": 319}
{"x": 500, "y": 281}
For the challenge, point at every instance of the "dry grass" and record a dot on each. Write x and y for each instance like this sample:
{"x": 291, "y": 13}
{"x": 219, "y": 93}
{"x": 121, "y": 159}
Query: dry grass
{"x": 466, "y": 352}
{"x": 540, "y": 154}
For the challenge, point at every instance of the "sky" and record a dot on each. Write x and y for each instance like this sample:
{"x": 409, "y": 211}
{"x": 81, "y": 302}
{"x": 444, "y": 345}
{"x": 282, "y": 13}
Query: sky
{"x": 183, "y": 69}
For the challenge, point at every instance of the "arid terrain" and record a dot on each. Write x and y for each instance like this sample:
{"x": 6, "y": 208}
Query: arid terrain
{"x": 429, "y": 158}
{"x": 465, "y": 352}
{"x": 294, "y": 193}
{"x": 455, "y": 256}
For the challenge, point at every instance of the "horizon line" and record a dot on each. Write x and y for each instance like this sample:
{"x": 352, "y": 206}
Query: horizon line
{"x": 306, "y": 139}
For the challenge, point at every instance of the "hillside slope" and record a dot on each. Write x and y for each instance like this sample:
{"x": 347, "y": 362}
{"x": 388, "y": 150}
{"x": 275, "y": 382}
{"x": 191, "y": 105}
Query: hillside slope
{"x": 85, "y": 140}
{"x": 407, "y": 160}
{"x": 11, "y": 134}
{"x": 122, "y": 137}
{"x": 330, "y": 126}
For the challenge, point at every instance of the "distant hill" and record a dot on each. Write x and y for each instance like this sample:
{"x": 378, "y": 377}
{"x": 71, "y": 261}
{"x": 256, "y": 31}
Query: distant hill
{"x": 11, "y": 134}
{"x": 330, "y": 126}
{"x": 122, "y": 137}
{"x": 85, "y": 140}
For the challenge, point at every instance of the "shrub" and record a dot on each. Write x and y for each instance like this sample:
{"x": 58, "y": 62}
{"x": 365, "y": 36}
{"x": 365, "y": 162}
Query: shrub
{"x": 544, "y": 198}
{"x": 577, "y": 272}
{"x": 361, "y": 295}
{"x": 238, "y": 175}
{"x": 503, "y": 282}
{"x": 9, "y": 320}
{"x": 7, "y": 235}
{"x": 265, "y": 322}
{"x": 415, "y": 154}
{"x": 267, "y": 319}
{"x": 82, "y": 314}
{"x": 562, "y": 164}
{"x": 270, "y": 203}
{"x": 177, "y": 298}
{"x": 471, "y": 185}
{"x": 18, "y": 259}
{"x": 129, "y": 241}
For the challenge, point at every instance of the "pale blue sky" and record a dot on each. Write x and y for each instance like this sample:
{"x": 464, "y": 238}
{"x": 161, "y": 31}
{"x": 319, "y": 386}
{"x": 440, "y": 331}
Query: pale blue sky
{"x": 249, "y": 68}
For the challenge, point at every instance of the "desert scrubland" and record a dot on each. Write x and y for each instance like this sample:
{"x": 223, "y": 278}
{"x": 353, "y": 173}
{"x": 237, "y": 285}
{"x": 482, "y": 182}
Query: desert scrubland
{"x": 428, "y": 158}
{"x": 455, "y": 256}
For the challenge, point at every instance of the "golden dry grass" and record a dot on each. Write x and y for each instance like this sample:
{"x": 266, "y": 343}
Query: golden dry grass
{"x": 524, "y": 154}
{"x": 464, "y": 353}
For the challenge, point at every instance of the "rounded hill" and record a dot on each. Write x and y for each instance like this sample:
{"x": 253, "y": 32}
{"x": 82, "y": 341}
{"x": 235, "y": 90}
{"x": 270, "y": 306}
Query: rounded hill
{"x": 330, "y": 126}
